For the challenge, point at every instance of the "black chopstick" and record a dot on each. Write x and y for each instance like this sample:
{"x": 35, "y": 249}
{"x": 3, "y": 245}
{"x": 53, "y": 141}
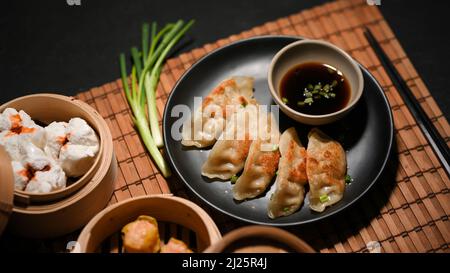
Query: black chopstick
{"x": 436, "y": 141}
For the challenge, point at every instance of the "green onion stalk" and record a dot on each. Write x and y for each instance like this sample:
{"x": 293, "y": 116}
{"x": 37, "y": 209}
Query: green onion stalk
{"x": 144, "y": 81}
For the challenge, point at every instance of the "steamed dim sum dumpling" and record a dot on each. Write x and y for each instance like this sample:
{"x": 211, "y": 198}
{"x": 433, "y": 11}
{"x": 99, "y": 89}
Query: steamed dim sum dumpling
{"x": 9, "y": 118}
{"x": 175, "y": 246}
{"x": 80, "y": 133}
{"x": 56, "y": 137}
{"x": 141, "y": 235}
{"x": 326, "y": 167}
{"x": 206, "y": 125}
{"x": 262, "y": 161}
{"x": 76, "y": 160}
{"x": 228, "y": 155}
{"x": 16, "y": 125}
{"x": 33, "y": 157}
{"x": 38, "y": 186}
{"x": 12, "y": 120}
{"x": 291, "y": 178}
{"x": 78, "y": 154}
{"x": 11, "y": 143}
{"x": 49, "y": 179}
{"x": 20, "y": 175}
{"x": 46, "y": 175}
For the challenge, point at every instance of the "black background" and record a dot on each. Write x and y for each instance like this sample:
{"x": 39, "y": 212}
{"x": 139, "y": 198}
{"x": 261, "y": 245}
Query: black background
{"x": 49, "y": 46}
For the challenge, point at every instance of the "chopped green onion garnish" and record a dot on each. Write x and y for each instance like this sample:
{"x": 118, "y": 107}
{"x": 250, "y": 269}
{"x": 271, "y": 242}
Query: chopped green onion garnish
{"x": 276, "y": 173}
{"x": 348, "y": 179}
{"x": 324, "y": 198}
{"x": 285, "y": 100}
{"x": 234, "y": 178}
{"x": 286, "y": 209}
{"x": 309, "y": 100}
{"x": 317, "y": 92}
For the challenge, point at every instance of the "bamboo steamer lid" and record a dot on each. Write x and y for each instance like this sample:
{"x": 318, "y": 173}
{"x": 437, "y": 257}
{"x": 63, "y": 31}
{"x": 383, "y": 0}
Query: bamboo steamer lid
{"x": 7, "y": 188}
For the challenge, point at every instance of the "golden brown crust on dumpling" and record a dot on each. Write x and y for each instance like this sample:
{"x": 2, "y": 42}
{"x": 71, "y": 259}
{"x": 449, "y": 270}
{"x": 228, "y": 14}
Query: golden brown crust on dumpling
{"x": 261, "y": 163}
{"x": 326, "y": 168}
{"x": 291, "y": 179}
{"x": 242, "y": 149}
{"x": 269, "y": 162}
{"x": 209, "y": 119}
{"x": 259, "y": 169}
{"x": 228, "y": 155}
{"x": 299, "y": 171}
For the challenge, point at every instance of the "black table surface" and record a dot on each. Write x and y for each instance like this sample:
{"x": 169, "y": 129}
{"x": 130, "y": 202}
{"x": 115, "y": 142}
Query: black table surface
{"x": 51, "y": 46}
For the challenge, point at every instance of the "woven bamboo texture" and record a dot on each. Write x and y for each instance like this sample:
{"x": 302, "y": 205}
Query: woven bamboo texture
{"x": 407, "y": 209}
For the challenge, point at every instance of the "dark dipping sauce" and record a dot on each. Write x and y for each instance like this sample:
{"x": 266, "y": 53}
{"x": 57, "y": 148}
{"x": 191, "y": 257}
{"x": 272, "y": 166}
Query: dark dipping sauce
{"x": 327, "y": 87}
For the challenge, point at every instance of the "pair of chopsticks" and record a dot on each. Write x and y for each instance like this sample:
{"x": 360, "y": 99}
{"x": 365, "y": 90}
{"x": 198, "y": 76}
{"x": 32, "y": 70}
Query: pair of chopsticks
{"x": 436, "y": 141}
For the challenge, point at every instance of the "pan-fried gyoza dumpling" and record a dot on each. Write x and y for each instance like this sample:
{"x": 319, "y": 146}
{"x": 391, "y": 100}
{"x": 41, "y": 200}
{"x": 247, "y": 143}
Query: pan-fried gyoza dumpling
{"x": 326, "y": 167}
{"x": 228, "y": 155}
{"x": 206, "y": 125}
{"x": 291, "y": 177}
{"x": 262, "y": 160}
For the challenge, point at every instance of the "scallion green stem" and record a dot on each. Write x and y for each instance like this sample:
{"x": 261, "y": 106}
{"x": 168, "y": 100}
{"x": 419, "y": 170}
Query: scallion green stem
{"x": 145, "y": 28}
{"x": 152, "y": 39}
{"x": 144, "y": 81}
{"x": 139, "y": 117}
{"x": 144, "y": 131}
{"x": 136, "y": 61}
{"x": 152, "y": 81}
{"x": 150, "y": 86}
{"x": 123, "y": 74}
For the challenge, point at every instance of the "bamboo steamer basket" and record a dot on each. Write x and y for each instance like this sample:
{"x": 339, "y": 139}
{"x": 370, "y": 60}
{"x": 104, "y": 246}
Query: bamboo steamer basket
{"x": 259, "y": 239}
{"x": 66, "y": 210}
{"x": 56, "y": 108}
{"x": 177, "y": 217}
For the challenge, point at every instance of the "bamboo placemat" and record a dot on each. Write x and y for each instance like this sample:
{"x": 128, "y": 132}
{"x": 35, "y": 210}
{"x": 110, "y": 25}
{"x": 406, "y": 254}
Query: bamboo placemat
{"x": 406, "y": 211}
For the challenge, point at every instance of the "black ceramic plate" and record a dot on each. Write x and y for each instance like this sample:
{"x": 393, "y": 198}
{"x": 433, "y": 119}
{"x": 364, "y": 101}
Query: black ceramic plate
{"x": 365, "y": 133}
